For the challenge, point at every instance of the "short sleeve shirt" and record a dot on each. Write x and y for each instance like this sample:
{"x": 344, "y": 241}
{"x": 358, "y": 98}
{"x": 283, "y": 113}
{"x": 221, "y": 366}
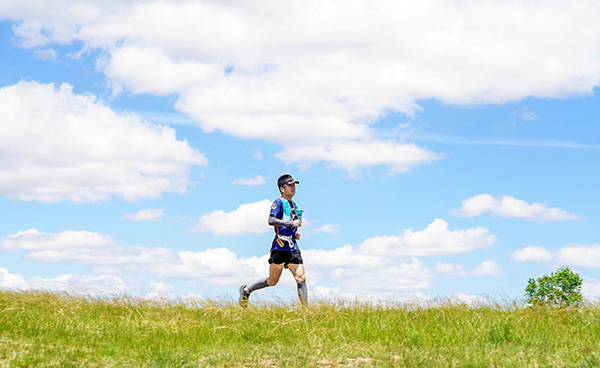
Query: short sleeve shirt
{"x": 285, "y": 237}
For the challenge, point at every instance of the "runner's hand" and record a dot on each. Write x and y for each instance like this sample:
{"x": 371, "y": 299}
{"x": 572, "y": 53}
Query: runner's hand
{"x": 297, "y": 236}
{"x": 297, "y": 223}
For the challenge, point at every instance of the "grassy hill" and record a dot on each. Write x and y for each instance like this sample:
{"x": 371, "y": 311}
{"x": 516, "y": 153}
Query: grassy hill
{"x": 40, "y": 329}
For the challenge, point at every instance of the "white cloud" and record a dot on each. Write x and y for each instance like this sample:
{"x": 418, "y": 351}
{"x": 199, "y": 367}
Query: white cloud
{"x": 324, "y": 69}
{"x": 131, "y": 66}
{"x": 89, "y": 284}
{"x": 12, "y": 281}
{"x": 255, "y": 181}
{"x": 385, "y": 267}
{"x": 251, "y": 218}
{"x": 249, "y": 117}
{"x": 526, "y": 115}
{"x": 145, "y": 215}
{"x": 357, "y": 274}
{"x": 590, "y": 289}
{"x": 161, "y": 287}
{"x": 531, "y": 253}
{"x": 487, "y": 268}
{"x": 131, "y": 258}
{"x": 510, "y": 207}
{"x": 328, "y": 229}
{"x": 579, "y": 255}
{"x": 343, "y": 257}
{"x": 535, "y": 143}
{"x": 218, "y": 266}
{"x": 391, "y": 281}
{"x": 355, "y": 155}
{"x": 112, "y": 261}
{"x": 46, "y": 54}
{"x": 436, "y": 239}
{"x": 60, "y": 146}
{"x": 450, "y": 269}
{"x": 355, "y": 270}
{"x": 35, "y": 240}
{"x": 77, "y": 284}
{"x": 82, "y": 247}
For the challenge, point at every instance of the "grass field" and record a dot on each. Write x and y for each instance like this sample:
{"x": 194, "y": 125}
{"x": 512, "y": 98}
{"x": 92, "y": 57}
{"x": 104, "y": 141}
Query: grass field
{"x": 57, "y": 330}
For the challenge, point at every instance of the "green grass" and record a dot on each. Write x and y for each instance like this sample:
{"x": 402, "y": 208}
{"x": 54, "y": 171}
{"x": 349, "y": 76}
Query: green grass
{"x": 58, "y": 330}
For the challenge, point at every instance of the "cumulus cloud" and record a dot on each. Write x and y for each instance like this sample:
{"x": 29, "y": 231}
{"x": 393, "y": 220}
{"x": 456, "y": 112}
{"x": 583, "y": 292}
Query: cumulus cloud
{"x": 61, "y": 146}
{"x": 487, "y": 268}
{"x": 145, "y": 215}
{"x": 354, "y": 155}
{"x": 356, "y": 270}
{"x": 248, "y": 218}
{"x": 359, "y": 270}
{"x": 346, "y": 257}
{"x": 89, "y": 284}
{"x": 358, "y": 274}
{"x": 218, "y": 266}
{"x": 326, "y": 70}
{"x": 436, "y": 239}
{"x": 577, "y": 255}
{"x": 327, "y": 229}
{"x": 531, "y": 253}
{"x": 111, "y": 261}
{"x": 161, "y": 287}
{"x": 83, "y": 284}
{"x": 510, "y": 207}
{"x": 12, "y": 281}
{"x": 46, "y": 54}
{"x": 35, "y": 240}
{"x": 255, "y": 181}
{"x": 580, "y": 255}
{"x": 82, "y": 247}
{"x": 590, "y": 289}
{"x": 101, "y": 285}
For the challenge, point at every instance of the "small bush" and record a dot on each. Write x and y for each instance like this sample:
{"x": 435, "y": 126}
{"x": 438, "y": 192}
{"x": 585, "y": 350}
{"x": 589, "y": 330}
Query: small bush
{"x": 559, "y": 289}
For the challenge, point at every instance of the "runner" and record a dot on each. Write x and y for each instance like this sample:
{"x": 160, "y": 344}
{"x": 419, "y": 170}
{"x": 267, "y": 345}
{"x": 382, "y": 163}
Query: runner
{"x": 286, "y": 218}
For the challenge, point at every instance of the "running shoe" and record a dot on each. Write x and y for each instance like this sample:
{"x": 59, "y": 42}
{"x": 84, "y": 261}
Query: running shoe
{"x": 243, "y": 300}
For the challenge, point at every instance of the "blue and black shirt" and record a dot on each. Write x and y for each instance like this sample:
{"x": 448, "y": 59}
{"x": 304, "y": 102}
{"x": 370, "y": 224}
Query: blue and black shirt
{"x": 283, "y": 213}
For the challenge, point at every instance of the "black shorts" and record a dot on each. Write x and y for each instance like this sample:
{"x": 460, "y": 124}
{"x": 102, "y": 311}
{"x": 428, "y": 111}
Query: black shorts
{"x": 286, "y": 257}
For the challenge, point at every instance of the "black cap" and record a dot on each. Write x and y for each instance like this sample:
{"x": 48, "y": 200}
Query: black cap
{"x": 286, "y": 179}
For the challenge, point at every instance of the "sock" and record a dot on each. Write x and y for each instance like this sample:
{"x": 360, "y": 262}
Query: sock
{"x": 260, "y": 284}
{"x": 303, "y": 293}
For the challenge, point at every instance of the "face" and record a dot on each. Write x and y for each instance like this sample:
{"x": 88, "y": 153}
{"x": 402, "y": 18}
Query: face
{"x": 288, "y": 190}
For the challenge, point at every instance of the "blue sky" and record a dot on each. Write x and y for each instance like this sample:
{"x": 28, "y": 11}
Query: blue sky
{"x": 444, "y": 148}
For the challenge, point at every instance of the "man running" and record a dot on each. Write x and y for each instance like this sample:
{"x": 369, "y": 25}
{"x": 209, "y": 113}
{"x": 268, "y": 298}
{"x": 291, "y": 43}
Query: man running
{"x": 286, "y": 219}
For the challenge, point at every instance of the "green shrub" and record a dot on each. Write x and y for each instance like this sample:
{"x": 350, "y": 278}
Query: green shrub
{"x": 559, "y": 289}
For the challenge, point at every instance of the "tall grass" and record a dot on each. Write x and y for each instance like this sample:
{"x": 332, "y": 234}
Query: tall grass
{"x": 39, "y": 329}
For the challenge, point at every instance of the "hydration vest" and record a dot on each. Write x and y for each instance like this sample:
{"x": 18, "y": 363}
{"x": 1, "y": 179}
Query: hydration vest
{"x": 287, "y": 210}
{"x": 285, "y": 241}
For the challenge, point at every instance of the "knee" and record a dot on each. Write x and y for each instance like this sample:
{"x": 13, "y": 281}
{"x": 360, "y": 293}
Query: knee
{"x": 300, "y": 279}
{"x": 272, "y": 282}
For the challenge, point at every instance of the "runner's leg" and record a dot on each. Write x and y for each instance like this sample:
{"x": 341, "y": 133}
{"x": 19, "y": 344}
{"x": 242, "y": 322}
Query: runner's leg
{"x": 298, "y": 272}
{"x": 257, "y": 285}
{"x": 274, "y": 273}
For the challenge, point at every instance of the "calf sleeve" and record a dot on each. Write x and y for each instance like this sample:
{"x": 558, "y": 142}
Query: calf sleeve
{"x": 260, "y": 284}
{"x": 303, "y": 293}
